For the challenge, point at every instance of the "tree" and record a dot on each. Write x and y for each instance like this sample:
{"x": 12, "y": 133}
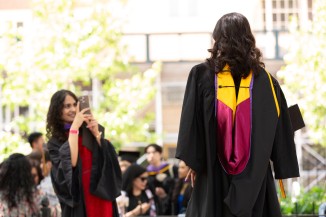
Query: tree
{"x": 304, "y": 75}
{"x": 77, "y": 47}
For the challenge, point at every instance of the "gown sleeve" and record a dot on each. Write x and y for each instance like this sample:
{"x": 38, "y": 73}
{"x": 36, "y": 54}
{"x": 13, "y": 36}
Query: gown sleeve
{"x": 188, "y": 145}
{"x": 106, "y": 179}
{"x": 64, "y": 177}
{"x": 284, "y": 155}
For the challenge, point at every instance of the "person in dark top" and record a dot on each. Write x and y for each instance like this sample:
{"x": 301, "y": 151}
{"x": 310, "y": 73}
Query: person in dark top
{"x": 162, "y": 176}
{"x": 182, "y": 190}
{"x": 234, "y": 121}
{"x": 141, "y": 201}
{"x": 85, "y": 171}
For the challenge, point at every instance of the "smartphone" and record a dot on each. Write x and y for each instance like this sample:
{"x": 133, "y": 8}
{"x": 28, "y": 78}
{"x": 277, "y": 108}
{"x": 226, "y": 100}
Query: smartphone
{"x": 84, "y": 103}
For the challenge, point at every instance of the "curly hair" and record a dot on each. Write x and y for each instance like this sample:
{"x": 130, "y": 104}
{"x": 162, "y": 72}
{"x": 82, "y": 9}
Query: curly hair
{"x": 54, "y": 123}
{"x": 235, "y": 45}
{"x": 16, "y": 181}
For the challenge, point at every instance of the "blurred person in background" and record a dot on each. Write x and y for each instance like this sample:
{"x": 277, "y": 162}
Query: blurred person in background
{"x": 141, "y": 201}
{"x": 17, "y": 188}
{"x": 85, "y": 171}
{"x": 234, "y": 121}
{"x": 126, "y": 158}
{"x": 182, "y": 190}
{"x": 162, "y": 176}
{"x": 36, "y": 141}
{"x": 46, "y": 189}
{"x": 36, "y": 171}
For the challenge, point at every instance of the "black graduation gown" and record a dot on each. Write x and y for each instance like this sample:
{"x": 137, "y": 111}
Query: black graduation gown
{"x": 105, "y": 181}
{"x": 251, "y": 193}
{"x": 163, "y": 205}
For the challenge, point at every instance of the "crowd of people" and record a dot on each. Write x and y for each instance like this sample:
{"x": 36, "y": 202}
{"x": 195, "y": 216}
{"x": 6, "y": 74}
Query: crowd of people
{"x": 25, "y": 183}
{"x": 77, "y": 172}
{"x": 159, "y": 188}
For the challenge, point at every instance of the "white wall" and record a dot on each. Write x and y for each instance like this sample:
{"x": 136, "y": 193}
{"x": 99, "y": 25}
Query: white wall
{"x": 148, "y": 16}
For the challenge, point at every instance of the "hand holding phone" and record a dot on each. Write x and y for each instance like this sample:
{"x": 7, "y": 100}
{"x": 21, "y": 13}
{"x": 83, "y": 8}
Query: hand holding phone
{"x": 84, "y": 103}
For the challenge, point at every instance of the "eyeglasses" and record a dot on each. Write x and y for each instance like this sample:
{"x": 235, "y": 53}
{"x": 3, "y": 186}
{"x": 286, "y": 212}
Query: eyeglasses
{"x": 143, "y": 179}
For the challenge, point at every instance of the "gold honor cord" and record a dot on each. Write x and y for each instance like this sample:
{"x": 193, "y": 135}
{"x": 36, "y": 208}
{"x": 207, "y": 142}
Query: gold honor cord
{"x": 280, "y": 182}
{"x": 164, "y": 169}
{"x": 283, "y": 195}
{"x": 44, "y": 169}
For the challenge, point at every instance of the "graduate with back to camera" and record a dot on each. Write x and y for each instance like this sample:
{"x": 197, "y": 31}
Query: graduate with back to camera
{"x": 234, "y": 121}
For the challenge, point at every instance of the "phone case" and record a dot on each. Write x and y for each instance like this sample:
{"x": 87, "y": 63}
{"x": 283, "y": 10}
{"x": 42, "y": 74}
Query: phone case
{"x": 84, "y": 103}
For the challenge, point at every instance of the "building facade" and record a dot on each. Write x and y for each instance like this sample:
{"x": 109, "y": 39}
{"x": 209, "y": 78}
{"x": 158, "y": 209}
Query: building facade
{"x": 178, "y": 33}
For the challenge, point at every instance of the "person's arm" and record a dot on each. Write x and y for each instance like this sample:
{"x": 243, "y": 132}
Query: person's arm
{"x": 284, "y": 157}
{"x": 73, "y": 144}
{"x": 74, "y": 131}
{"x": 139, "y": 210}
{"x": 190, "y": 138}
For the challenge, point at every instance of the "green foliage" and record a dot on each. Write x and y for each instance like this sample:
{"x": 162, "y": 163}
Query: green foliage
{"x": 74, "y": 46}
{"x": 307, "y": 203}
{"x": 11, "y": 143}
{"x": 305, "y": 73}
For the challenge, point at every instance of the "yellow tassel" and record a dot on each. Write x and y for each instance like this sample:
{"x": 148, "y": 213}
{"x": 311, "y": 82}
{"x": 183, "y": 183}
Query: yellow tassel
{"x": 283, "y": 195}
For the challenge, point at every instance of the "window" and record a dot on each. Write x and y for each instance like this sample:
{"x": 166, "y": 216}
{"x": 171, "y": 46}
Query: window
{"x": 284, "y": 10}
{"x": 281, "y": 10}
{"x": 20, "y": 24}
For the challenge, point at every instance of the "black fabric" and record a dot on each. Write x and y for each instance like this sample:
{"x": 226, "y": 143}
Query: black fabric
{"x": 134, "y": 201}
{"x": 130, "y": 156}
{"x": 87, "y": 137}
{"x": 105, "y": 176}
{"x": 237, "y": 81}
{"x": 163, "y": 206}
{"x": 296, "y": 117}
{"x": 217, "y": 194}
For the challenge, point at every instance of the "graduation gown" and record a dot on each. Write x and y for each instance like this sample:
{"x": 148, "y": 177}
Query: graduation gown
{"x": 105, "y": 181}
{"x": 251, "y": 193}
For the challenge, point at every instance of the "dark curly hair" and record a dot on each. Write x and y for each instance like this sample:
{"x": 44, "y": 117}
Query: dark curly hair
{"x": 235, "y": 45}
{"x": 16, "y": 181}
{"x": 54, "y": 124}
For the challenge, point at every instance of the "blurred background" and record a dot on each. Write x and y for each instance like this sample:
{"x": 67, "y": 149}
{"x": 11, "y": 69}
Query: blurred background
{"x": 132, "y": 57}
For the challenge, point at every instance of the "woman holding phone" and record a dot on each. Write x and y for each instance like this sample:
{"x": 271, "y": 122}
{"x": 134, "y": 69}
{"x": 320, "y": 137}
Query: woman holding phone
{"x": 85, "y": 174}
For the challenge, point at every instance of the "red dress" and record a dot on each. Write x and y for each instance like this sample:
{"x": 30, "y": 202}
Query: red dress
{"x": 95, "y": 206}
